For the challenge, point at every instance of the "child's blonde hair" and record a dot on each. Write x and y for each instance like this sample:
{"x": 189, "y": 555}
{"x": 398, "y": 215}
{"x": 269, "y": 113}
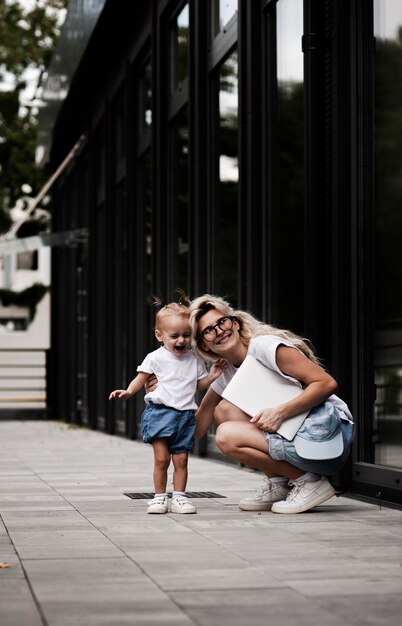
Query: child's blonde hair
{"x": 171, "y": 308}
{"x": 249, "y": 326}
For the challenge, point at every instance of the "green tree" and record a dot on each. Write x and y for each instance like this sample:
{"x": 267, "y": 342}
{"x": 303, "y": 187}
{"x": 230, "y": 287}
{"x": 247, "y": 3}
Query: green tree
{"x": 27, "y": 35}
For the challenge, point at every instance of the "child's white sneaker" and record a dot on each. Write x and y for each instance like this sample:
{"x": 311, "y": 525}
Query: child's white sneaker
{"x": 159, "y": 504}
{"x": 181, "y": 504}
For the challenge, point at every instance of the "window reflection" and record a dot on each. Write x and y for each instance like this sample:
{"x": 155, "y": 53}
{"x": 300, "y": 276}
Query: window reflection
{"x": 119, "y": 300}
{"x": 27, "y": 260}
{"x": 288, "y": 213}
{"x": 145, "y": 183}
{"x": 101, "y": 296}
{"x": 179, "y": 48}
{"x": 100, "y": 165}
{"x": 145, "y": 98}
{"x": 388, "y": 232}
{"x": 226, "y": 248}
{"x": 181, "y": 159}
{"x": 222, "y": 12}
{"x": 144, "y": 249}
{"x": 120, "y": 124}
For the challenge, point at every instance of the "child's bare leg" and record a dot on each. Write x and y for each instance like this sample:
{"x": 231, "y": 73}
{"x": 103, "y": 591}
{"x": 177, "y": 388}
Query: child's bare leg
{"x": 180, "y": 474}
{"x": 161, "y": 464}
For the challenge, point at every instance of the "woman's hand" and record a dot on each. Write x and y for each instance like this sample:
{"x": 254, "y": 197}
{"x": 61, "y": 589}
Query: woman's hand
{"x": 151, "y": 383}
{"x": 268, "y": 419}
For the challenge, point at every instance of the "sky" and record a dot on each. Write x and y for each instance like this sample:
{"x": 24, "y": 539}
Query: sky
{"x": 387, "y": 18}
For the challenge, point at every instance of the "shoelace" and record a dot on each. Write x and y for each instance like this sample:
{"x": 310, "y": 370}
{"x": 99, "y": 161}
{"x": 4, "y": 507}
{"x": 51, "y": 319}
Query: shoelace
{"x": 296, "y": 486}
{"x": 268, "y": 487}
{"x": 265, "y": 488}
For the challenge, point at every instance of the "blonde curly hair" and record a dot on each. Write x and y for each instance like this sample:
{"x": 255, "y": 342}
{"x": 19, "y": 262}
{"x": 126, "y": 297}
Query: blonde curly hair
{"x": 249, "y": 327}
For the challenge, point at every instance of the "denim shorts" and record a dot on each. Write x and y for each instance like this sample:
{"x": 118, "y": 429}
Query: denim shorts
{"x": 282, "y": 450}
{"x": 164, "y": 422}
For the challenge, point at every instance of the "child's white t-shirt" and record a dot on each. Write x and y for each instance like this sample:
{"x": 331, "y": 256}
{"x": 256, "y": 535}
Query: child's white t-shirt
{"x": 263, "y": 348}
{"x": 177, "y": 378}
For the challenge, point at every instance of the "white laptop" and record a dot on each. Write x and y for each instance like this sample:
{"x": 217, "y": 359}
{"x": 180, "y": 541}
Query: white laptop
{"x": 255, "y": 387}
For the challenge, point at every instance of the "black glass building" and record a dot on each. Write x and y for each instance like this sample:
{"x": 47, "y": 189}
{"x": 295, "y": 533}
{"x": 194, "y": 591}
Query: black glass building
{"x": 251, "y": 149}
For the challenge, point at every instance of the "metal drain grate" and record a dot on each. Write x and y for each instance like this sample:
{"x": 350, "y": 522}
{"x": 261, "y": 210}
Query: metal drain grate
{"x": 190, "y": 494}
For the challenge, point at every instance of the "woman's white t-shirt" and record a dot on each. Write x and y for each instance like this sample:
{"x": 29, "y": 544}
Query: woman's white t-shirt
{"x": 177, "y": 378}
{"x": 263, "y": 348}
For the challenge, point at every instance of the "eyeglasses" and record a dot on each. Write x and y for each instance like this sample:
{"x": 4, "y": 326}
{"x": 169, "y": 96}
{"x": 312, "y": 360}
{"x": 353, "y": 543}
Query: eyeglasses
{"x": 210, "y": 333}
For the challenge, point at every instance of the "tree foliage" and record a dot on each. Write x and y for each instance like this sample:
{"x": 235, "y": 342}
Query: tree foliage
{"x": 29, "y": 297}
{"x": 27, "y": 37}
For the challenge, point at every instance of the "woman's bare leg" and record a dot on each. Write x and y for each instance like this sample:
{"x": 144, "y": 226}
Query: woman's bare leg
{"x": 246, "y": 443}
{"x": 228, "y": 412}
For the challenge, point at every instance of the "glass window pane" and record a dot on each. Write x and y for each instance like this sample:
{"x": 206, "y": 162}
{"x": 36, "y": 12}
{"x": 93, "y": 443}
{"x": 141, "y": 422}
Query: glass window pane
{"x": 101, "y": 242}
{"x": 222, "y": 12}
{"x": 180, "y": 48}
{"x": 100, "y": 166}
{"x": 226, "y": 244}
{"x": 119, "y": 120}
{"x": 145, "y": 190}
{"x": 145, "y": 98}
{"x": 388, "y": 232}
{"x": 181, "y": 159}
{"x": 119, "y": 300}
{"x": 288, "y": 214}
{"x": 27, "y": 260}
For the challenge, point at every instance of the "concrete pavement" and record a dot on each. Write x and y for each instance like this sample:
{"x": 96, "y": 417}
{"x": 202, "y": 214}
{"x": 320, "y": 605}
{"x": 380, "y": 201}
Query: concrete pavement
{"x": 76, "y": 551}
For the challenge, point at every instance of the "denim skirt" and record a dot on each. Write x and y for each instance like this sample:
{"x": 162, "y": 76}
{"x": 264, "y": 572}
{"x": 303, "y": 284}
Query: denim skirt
{"x": 164, "y": 422}
{"x": 282, "y": 450}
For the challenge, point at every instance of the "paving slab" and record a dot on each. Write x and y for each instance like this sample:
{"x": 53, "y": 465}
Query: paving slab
{"x": 17, "y": 605}
{"x": 363, "y": 610}
{"x": 256, "y": 607}
{"x": 80, "y": 552}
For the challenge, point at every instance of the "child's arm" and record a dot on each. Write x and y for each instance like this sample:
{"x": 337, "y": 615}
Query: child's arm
{"x": 216, "y": 370}
{"x": 136, "y": 384}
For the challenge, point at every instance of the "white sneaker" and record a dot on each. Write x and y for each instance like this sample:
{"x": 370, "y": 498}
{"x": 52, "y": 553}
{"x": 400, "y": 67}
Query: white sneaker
{"x": 159, "y": 504}
{"x": 269, "y": 493}
{"x": 305, "y": 496}
{"x": 181, "y": 504}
